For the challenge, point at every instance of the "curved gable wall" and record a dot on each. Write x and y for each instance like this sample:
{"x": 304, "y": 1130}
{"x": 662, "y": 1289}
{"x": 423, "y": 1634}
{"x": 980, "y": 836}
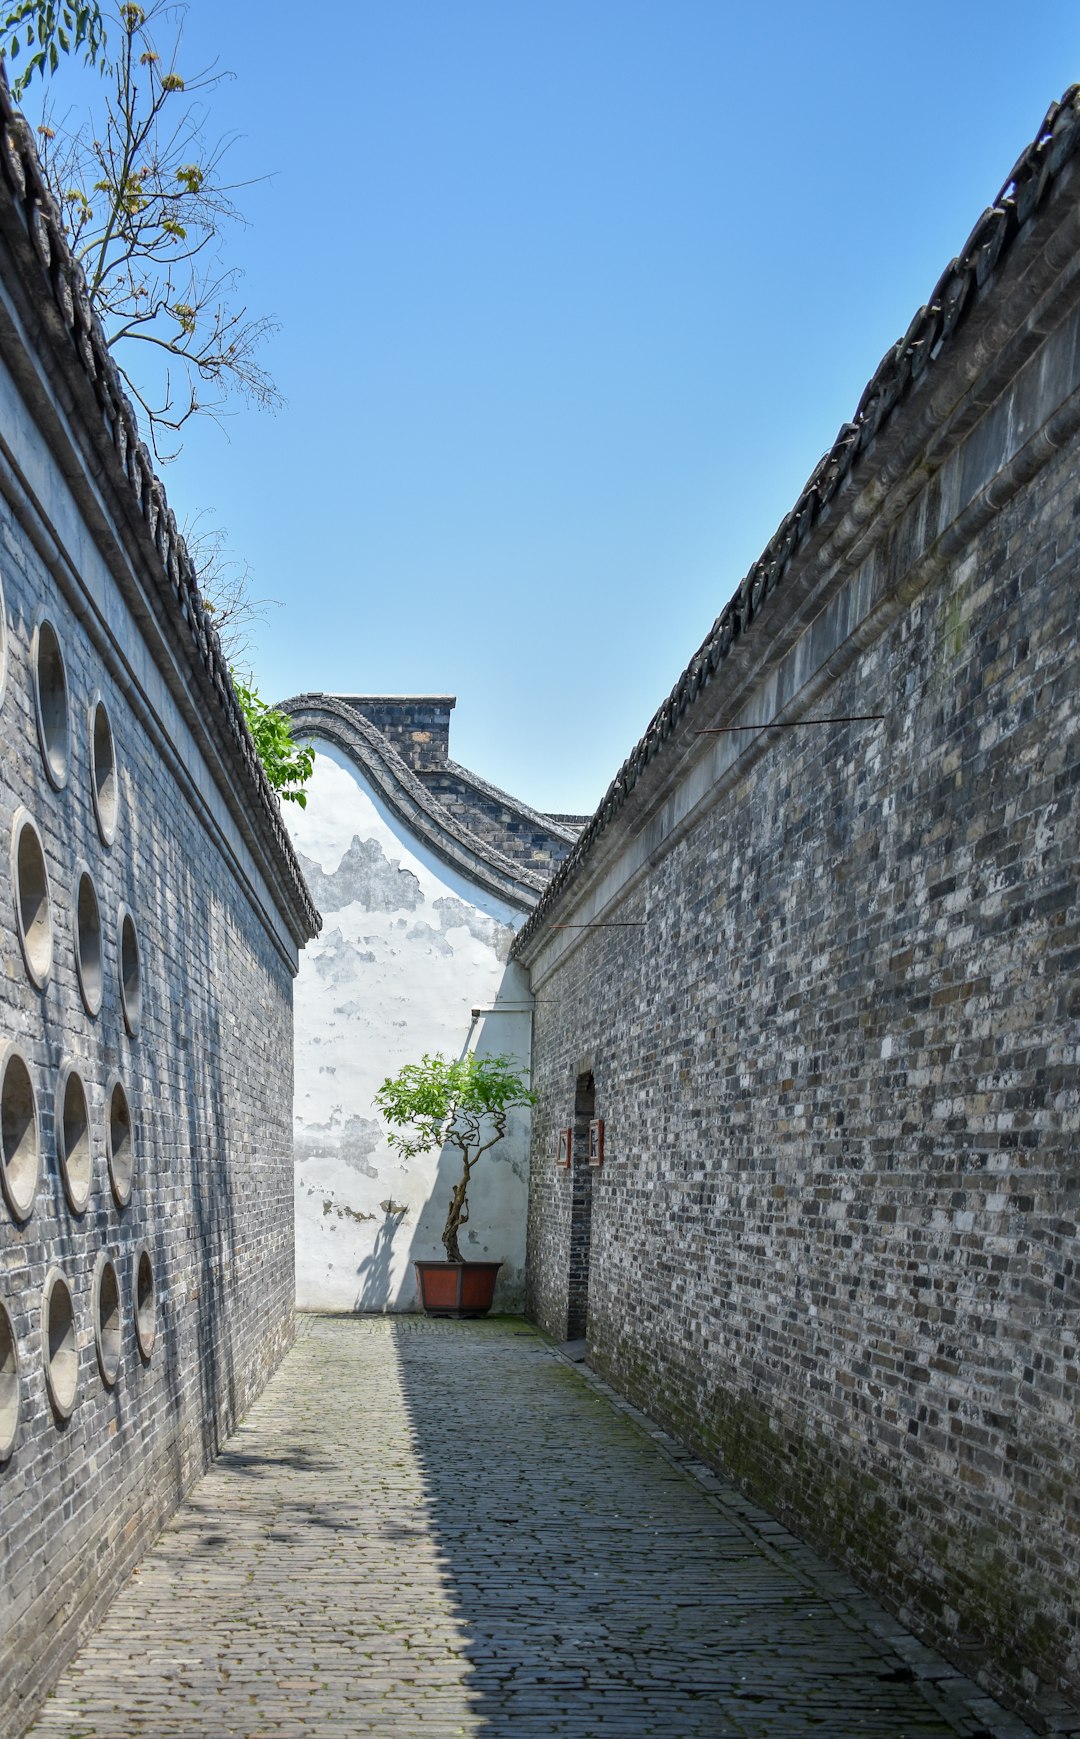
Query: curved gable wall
{"x": 418, "y": 922}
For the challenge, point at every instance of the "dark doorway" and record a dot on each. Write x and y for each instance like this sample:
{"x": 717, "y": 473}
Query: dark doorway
{"x": 581, "y": 1184}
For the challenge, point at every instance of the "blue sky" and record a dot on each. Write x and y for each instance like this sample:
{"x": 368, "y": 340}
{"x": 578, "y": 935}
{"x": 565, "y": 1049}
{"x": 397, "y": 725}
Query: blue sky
{"x": 573, "y": 295}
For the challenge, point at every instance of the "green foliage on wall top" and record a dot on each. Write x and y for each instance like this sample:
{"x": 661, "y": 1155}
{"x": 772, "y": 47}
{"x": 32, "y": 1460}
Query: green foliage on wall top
{"x": 288, "y": 765}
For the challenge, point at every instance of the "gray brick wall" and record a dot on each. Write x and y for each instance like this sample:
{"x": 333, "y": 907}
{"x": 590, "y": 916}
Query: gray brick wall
{"x": 418, "y": 726}
{"x": 520, "y": 834}
{"x": 834, "y": 1240}
{"x": 209, "y": 1083}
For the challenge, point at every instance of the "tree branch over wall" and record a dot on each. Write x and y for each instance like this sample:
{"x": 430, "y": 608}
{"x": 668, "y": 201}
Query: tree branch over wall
{"x": 145, "y": 202}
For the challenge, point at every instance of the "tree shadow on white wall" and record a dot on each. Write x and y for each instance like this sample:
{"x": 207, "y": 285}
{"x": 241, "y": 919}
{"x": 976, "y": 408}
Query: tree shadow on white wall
{"x": 375, "y": 1272}
{"x": 498, "y": 1192}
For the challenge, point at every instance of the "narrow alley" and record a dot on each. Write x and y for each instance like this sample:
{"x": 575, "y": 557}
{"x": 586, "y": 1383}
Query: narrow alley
{"x": 441, "y": 1528}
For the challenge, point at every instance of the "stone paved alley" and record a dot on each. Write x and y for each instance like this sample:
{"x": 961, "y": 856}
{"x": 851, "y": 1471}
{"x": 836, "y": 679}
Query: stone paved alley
{"x": 444, "y": 1528}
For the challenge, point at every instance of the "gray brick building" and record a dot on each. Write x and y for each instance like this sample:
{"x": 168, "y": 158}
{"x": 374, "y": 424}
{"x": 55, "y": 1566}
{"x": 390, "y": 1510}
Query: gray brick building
{"x": 151, "y": 915}
{"x": 822, "y": 989}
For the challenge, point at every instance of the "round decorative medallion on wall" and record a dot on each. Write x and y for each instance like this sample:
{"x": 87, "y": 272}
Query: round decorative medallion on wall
{"x": 104, "y": 780}
{"x": 51, "y": 702}
{"x": 127, "y": 943}
{"x": 9, "y": 1385}
{"x": 74, "y": 1148}
{"x": 33, "y": 899}
{"x": 119, "y": 1141}
{"x": 20, "y": 1135}
{"x": 58, "y": 1345}
{"x": 145, "y": 1301}
{"x": 108, "y": 1318}
{"x": 86, "y": 928}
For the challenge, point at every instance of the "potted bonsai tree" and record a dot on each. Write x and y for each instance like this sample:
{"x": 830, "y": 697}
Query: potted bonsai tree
{"x": 465, "y": 1105}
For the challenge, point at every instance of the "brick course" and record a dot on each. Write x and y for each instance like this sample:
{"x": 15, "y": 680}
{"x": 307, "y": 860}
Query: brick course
{"x": 202, "y": 862}
{"x": 834, "y": 1240}
{"x": 209, "y": 1082}
{"x": 418, "y": 726}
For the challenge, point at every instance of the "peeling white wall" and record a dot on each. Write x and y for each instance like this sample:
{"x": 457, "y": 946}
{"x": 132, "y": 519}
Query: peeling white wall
{"x": 409, "y": 948}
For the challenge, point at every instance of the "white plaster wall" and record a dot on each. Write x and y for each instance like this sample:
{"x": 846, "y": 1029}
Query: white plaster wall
{"x": 409, "y": 948}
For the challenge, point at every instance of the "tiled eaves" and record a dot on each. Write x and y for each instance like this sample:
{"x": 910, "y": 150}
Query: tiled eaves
{"x": 902, "y": 369}
{"x": 551, "y": 824}
{"x": 121, "y": 466}
{"x": 323, "y": 715}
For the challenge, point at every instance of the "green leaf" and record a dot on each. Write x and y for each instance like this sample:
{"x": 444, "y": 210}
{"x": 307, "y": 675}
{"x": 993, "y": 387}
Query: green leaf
{"x": 51, "y": 31}
{"x": 463, "y": 1100}
{"x": 287, "y": 765}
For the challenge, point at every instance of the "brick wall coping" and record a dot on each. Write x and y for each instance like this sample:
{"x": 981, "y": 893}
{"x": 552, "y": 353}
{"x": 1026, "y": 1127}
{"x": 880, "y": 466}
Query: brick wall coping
{"x": 554, "y": 824}
{"x": 870, "y": 454}
{"x": 464, "y": 775}
{"x": 63, "y": 335}
{"x": 325, "y": 716}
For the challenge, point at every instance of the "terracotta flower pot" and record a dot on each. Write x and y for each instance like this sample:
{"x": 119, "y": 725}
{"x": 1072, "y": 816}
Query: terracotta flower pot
{"x": 456, "y": 1288}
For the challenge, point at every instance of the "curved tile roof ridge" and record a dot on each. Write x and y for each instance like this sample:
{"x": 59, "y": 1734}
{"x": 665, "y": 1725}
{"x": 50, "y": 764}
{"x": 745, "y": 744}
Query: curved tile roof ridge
{"x": 70, "y": 313}
{"x": 326, "y": 716}
{"x": 551, "y": 823}
{"x": 1023, "y": 191}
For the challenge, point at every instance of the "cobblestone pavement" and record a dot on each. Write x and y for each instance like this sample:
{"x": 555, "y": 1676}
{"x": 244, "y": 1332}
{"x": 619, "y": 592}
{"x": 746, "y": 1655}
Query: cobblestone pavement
{"x": 445, "y": 1529}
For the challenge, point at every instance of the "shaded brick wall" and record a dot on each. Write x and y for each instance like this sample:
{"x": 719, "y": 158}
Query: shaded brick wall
{"x": 418, "y": 726}
{"x": 208, "y": 1079}
{"x": 519, "y": 834}
{"x": 834, "y": 1241}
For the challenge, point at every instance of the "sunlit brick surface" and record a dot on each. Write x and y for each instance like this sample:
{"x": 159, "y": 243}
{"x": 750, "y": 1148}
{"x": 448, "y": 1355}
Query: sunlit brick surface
{"x": 442, "y": 1528}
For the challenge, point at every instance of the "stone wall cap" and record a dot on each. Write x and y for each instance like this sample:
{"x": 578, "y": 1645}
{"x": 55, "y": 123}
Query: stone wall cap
{"x": 447, "y": 700}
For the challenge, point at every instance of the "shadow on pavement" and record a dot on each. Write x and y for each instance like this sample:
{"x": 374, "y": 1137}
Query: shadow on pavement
{"x": 598, "y": 1590}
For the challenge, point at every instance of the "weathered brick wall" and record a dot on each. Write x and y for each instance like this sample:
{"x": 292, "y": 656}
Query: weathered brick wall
{"x": 418, "y": 726}
{"x": 146, "y": 1284}
{"x": 519, "y": 833}
{"x": 209, "y": 1082}
{"x": 834, "y": 1239}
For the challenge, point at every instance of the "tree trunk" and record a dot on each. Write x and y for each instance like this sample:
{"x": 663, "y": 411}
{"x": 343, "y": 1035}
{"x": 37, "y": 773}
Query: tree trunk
{"x": 456, "y": 1218}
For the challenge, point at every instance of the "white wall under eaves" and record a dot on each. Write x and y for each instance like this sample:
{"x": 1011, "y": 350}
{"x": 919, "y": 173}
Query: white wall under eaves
{"x": 408, "y": 949}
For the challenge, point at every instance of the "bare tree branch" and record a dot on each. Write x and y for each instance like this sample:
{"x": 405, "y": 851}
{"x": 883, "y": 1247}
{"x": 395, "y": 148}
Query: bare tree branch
{"x": 225, "y": 584}
{"x": 145, "y": 203}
